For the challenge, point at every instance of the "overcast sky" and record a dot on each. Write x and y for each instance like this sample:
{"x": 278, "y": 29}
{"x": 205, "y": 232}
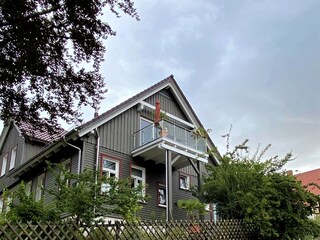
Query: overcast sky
{"x": 252, "y": 64}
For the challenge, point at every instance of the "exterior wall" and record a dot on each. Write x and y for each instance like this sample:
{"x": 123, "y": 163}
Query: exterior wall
{"x": 30, "y": 149}
{"x": 13, "y": 140}
{"x": 116, "y": 142}
{"x": 25, "y": 149}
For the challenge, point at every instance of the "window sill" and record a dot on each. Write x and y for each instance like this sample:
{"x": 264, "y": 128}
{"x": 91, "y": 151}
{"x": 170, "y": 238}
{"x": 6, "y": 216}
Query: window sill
{"x": 162, "y": 206}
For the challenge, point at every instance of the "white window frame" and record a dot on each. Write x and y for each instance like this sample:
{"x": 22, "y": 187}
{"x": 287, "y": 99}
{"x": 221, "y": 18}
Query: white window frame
{"x": 4, "y": 165}
{"x": 108, "y": 172}
{"x": 187, "y": 180}
{"x": 13, "y": 158}
{"x": 137, "y": 179}
{"x": 39, "y": 188}
{"x": 1, "y": 204}
{"x": 162, "y": 187}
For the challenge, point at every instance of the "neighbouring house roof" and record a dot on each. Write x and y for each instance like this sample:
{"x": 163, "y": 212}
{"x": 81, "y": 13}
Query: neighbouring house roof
{"x": 312, "y": 176}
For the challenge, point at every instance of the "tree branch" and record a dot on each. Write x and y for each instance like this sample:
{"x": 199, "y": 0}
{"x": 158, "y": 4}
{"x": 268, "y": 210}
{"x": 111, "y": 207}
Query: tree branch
{"x": 46, "y": 11}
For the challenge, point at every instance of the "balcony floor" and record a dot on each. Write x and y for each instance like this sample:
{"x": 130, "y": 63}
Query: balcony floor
{"x": 156, "y": 150}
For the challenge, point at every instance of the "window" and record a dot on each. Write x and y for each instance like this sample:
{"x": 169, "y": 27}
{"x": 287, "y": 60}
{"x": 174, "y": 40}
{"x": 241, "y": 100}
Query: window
{"x": 1, "y": 204}
{"x": 138, "y": 175}
{"x": 40, "y": 186}
{"x": 184, "y": 181}
{"x": 4, "y": 165}
{"x": 110, "y": 168}
{"x": 13, "y": 158}
{"x": 66, "y": 167}
{"x": 162, "y": 196}
{"x": 146, "y": 133}
{"x": 28, "y": 188}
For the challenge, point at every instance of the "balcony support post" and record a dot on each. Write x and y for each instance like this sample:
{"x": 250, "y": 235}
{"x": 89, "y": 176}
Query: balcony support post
{"x": 169, "y": 185}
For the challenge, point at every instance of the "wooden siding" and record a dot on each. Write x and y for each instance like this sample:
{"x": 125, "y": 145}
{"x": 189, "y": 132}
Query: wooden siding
{"x": 13, "y": 139}
{"x": 31, "y": 149}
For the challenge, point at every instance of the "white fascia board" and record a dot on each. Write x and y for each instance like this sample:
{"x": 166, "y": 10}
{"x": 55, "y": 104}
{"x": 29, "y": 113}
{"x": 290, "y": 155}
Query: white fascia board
{"x": 168, "y": 114}
{"x": 102, "y": 121}
{"x": 3, "y": 136}
{"x": 184, "y": 107}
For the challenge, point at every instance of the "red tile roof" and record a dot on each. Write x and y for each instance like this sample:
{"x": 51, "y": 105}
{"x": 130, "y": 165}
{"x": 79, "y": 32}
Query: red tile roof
{"x": 42, "y": 135}
{"x": 312, "y": 176}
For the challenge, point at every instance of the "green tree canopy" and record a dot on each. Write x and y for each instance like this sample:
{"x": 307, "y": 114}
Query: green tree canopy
{"x": 77, "y": 196}
{"x": 42, "y": 43}
{"x": 260, "y": 192}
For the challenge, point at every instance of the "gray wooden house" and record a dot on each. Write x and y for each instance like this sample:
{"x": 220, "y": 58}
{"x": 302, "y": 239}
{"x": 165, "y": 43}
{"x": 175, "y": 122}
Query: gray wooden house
{"x": 124, "y": 141}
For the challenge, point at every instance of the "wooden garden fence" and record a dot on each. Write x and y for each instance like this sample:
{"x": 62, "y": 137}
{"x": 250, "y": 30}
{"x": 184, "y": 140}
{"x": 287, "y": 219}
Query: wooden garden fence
{"x": 123, "y": 230}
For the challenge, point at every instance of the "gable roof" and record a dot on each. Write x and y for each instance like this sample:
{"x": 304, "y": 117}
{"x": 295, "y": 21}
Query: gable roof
{"x": 87, "y": 127}
{"x": 312, "y": 176}
{"x": 168, "y": 82}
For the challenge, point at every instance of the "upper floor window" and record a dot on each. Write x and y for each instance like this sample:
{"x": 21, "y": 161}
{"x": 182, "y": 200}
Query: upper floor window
{"x": 40, "y": 187}
{"x": 138, "y": 175}
{"x": 4, "y": 165}
{"x": 109, "y": 168}
{"x": 13, "y": 158}
{"x": 184, "y": 181}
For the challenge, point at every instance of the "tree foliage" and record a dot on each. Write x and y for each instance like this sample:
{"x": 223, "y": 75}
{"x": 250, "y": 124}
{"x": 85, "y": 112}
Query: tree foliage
{"x": 260, "y": 192}
{"x": 80, "y": 196}
{"x": 24, "y": 207}
{"x": 77, "y": 196}
{"x": 42, "y": 43}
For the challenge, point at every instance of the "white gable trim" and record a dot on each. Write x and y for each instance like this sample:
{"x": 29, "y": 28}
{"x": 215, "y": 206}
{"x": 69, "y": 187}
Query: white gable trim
{"x": 139, "y": 100}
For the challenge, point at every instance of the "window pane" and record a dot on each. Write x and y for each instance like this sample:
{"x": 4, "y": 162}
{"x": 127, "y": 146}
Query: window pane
{"x": 136, "y": 172}
{"x": 4, "y": 165}
{"x": 162, "y": 196}
{"x": 13, "y": 158}
{"x": 146, "y": 134}
{"x": 108, "y": 164}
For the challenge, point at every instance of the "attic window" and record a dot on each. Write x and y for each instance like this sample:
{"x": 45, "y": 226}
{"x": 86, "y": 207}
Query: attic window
{"x": 13, "y": 158}
{"x": 4, "y": 165}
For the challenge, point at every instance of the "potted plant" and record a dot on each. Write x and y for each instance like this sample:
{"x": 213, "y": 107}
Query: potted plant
{"x": 194, "y": 210}
{"x": 201, "y": 132}
{"x": 163, "y": 132}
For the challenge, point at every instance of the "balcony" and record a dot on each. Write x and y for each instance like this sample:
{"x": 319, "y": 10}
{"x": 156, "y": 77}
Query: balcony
{"x": 151, "y": 141}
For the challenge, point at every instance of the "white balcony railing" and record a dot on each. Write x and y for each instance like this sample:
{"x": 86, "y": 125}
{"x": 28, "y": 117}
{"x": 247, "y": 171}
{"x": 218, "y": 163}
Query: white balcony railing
{"x": 170, "y": 131}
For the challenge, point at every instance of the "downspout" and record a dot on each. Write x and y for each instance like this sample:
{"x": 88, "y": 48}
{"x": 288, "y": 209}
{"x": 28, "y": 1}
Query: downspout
{"x": 79, "y": 156}
{"x": 97, "y": 168}
{"x": 98, "y": 152}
